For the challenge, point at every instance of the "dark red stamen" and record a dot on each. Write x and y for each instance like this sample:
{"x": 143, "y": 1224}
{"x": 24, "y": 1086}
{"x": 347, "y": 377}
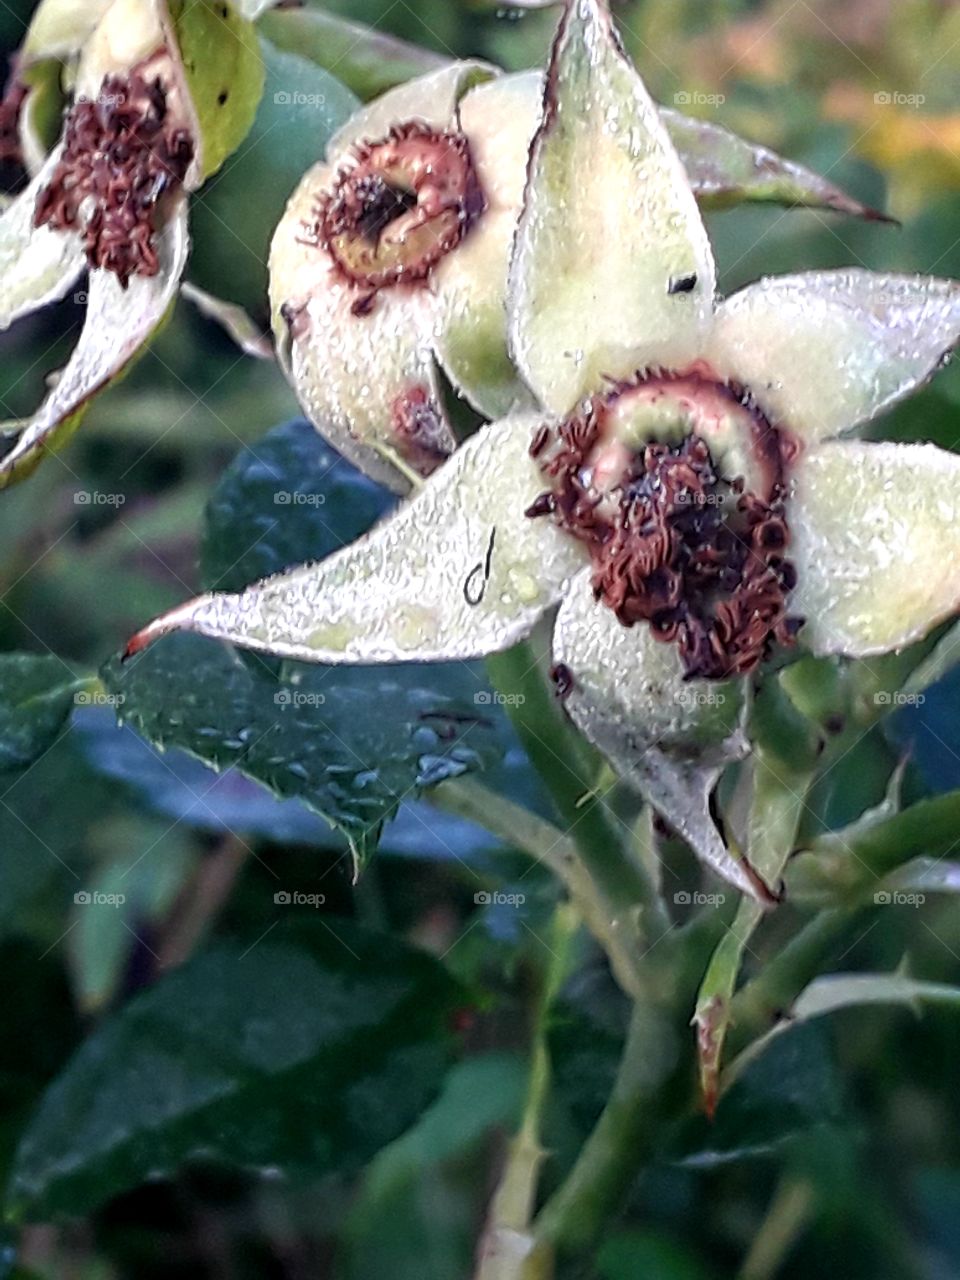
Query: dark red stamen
{"x": 122, "y": 154}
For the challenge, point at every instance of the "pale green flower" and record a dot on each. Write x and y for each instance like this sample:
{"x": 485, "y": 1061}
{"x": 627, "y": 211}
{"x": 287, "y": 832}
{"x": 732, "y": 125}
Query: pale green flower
{"x": 682, "y": 474}
{"x": 382, "y": 276}
{"x": 192, "y": 71}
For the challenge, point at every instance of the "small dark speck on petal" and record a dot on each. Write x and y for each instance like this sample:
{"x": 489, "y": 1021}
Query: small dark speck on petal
{"x": 682, "y": 284}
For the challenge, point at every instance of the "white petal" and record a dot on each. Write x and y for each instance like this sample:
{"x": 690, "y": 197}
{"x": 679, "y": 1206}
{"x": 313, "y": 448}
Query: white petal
{"x": 613, "y": 270}
{"x": 37, "y": 264}
{"x": 876, "y": 544}
{"x": 117, "y": 324}
{"x": 499, "y": 118}
{"x": 667, "y": 736}
{"x": 352, "y": 373}
{"x": 827, "y": 350}
{"x": 458, "y": 572}
{"x": 60, "y": 28}
{"x": 431, "y": 99}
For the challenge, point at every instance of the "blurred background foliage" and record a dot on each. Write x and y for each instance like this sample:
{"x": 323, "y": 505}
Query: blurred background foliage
{"x": 378, "y": 1108}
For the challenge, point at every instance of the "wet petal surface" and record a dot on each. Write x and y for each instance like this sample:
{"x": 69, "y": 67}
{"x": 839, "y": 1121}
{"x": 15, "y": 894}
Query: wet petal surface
{"x": 876, "y": 544}
{"x": 669, "y": 737}
{"x": 826, "y": 350}
{"x": 458, "y": 572}
{"x": 612, "y": 270}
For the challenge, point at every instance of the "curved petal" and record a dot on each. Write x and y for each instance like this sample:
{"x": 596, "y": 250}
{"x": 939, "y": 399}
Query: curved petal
{"x": 500, "y": 119}
{"x": 367, "y": 381}
{"x": 432, "y": 99}
{"x": 60, "y": 28}
{"x": 37, "y": 265}
{"x": 826, "y": 350}
{"x": 876, "y": 544}
{"x": 117, "y": 325}
{"x": 458, "y": 572}
{"x": 128, "y": 32}
{"x": 612, "y": 270}
{"x": 667, "y": 736}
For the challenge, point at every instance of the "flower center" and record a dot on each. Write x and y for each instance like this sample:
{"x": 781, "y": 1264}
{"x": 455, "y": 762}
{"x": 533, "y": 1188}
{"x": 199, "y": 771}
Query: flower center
{"x": 122, "y": 153}
{"x": 399, "y": 206}
{"x": 675, "y": 484}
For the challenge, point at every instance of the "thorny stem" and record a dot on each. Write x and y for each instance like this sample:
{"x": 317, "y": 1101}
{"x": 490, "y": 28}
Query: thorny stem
{"x": 508, "y": 1249}
{"x": 541, "y": 840}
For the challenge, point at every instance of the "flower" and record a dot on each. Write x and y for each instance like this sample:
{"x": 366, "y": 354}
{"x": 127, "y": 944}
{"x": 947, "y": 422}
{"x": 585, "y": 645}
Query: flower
{"x": 160, "y": 99}
{"x": 393, "y": 255}
{"x": 681, "y": 491}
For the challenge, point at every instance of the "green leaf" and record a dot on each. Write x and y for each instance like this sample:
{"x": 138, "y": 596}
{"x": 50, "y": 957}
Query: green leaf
{"x": 839, "y": 991}
{"x": 220, "y": 55}
{"x": 304, "y": 1053}
{"x": 368, "y": 60}
{"x": 300, "y": 109}
{"x": 36, "y": 696}
{"x": 287, "y": 499}
{"x": 351, "y": 742}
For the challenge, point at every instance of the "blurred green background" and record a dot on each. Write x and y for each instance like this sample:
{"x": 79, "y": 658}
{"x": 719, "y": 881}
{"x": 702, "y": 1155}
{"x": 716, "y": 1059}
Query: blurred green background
{"x": 843, "y": 1158}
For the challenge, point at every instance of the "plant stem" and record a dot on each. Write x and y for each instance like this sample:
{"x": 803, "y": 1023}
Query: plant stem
{"x": 563, "y": 761}
{"x": 526, "y": 831}
{"x": 508, "y": 1250}
{"x": 788, "y": 1214}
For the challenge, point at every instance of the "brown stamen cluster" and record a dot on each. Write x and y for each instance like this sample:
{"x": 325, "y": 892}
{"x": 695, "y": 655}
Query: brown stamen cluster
{"x": 399, "y": 206}
{"x": 672, "y": 544}
{"x": 122, "y": 153}
{"x": 13, "y": 172}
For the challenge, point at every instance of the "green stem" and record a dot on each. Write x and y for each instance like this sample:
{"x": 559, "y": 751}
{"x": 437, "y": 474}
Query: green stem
{"x": 563, "y": 761}
{"x": 523, "y": 830}
{"x": 509, "y": 1251}
{"x": 786, "y": 1218}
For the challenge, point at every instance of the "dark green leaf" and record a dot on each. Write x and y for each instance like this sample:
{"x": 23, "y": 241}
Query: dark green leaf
{"x": 283, "y": 501}
{"x": 36, "y": 696}
{"x": 351, "y": 741}
{"x": 305, "y": 1053}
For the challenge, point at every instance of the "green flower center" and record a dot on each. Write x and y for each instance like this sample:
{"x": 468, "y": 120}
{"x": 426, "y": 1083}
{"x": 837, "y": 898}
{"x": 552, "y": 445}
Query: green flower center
{"x": 122, "y": 153}
{"x": 675, "y": 484}
{"x": 400, "y": 206}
